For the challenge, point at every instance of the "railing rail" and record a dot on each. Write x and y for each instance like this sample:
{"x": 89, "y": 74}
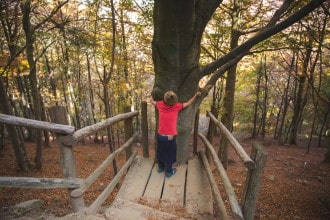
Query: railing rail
{"x": 248, "y": 162}
{"x": 223, "y": 174}
{"x": 94, "y": 175}
{"x": 255, "y": 165}
{"x": 92, "y": 129}
{"x": 31, "y": 123}
{"x": 106, "y": 192}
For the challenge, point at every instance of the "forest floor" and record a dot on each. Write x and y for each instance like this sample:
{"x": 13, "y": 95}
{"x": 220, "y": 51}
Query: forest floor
{"x": 295, "y": 184}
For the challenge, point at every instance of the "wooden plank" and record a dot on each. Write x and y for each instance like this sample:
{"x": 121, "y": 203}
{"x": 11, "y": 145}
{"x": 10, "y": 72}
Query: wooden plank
{"x": 155, "y": 186}
{"x": 136, "y": 179}
{"x": 173, "y": 192}
{"x": 126, "y": 210}
{"x": 198, "y": 191}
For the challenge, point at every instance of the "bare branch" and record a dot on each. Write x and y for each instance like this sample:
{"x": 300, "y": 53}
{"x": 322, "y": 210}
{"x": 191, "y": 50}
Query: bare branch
{"x": 239, "y": 52}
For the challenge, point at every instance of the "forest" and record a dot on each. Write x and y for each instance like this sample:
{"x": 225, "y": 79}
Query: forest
{"x": 71, "y": 53}
{"x": 263, "y": 66}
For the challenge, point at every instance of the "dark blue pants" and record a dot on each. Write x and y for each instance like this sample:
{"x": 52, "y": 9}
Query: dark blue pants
{"x": 166, "y": 152}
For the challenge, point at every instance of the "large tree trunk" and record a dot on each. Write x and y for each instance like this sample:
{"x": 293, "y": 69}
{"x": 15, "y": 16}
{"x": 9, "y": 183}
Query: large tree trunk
{"x": 175, "y": 51}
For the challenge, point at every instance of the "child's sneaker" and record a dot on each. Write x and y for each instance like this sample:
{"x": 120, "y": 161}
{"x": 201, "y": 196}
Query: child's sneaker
{"x": 169, "y": 174}
{"x": 160, "y": 170}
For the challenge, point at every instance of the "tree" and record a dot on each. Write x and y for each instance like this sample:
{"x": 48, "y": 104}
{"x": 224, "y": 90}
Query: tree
{"x": 29, "y": 30}
{"x": 178, "y": 29}
{"x": 9, "y": 17}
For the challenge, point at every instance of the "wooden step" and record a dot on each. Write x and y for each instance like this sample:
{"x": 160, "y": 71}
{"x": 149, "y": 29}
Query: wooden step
{"x": 174, "y": 187}
{"x": 145, "y": 192}
{"x": 123, "y": 209}
{"x": 154, "y": 188}
{"x": 198, "y": 192}
{"x": 136, "y": 179}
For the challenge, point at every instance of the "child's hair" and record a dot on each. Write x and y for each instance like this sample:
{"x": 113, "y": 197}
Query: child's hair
{"x": 170, "y": 98}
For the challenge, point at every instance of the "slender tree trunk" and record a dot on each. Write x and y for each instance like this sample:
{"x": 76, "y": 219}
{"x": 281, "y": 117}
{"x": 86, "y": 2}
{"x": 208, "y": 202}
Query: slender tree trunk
{"x": 285, "y": 102}
{"x": 125, "y": 61}
{"x": 265, "y": 103}
{"x": 105, "y": 82}
{"x": 256, "y": 104}
{"x": 18, "y": 142}
{"x": 44, "y": 118}
{"x": 91, "y": 93}
{"x": 26, "y": 10}
{"x": 301, "y": 96}
{"x": 276, "y": 130}
{"x": 229, "y": 98}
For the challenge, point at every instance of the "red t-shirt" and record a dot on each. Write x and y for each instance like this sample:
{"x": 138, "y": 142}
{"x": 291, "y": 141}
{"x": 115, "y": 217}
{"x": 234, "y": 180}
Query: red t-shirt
{"x": 168, "y": 117}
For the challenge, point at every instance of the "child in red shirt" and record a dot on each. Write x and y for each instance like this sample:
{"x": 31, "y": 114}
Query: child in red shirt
{"x": 168, "y": 110}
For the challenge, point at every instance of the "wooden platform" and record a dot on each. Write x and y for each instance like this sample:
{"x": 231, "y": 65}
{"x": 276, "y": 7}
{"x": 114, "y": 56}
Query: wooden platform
{"x": 147, "y": 194}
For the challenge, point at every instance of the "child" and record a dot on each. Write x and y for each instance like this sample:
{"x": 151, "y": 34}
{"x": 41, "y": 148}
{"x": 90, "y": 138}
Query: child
{"x": 166, "y": 137}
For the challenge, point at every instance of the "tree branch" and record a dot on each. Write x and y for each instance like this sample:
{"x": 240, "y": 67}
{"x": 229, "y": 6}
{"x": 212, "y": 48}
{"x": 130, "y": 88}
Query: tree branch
{"x": 50, "y": 16}
{"x": 239, "y": 52}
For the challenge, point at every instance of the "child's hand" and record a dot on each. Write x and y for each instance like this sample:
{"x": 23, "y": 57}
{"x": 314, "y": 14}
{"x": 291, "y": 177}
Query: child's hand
{"x": 198, "y": 94}
{"x": 151, "y": 100}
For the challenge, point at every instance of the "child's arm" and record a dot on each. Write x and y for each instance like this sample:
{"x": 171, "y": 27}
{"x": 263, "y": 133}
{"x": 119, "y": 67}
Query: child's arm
{"x": 152, "y": 101}
{"x": 191, "y": 100}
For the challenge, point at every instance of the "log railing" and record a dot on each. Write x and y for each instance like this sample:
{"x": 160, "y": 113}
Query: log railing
{"x": 66, "y": 137}
{"x": 58, "y": 128}
{"x": 255, "y": 165}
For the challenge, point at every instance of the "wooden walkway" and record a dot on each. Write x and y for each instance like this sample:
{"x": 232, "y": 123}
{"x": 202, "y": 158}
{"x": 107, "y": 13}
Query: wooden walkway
{"x": 147, "y": 194}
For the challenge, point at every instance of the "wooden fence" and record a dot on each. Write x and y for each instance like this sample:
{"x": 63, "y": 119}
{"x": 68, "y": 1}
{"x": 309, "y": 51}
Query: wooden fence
{"x": 255, "y": 165}
{"x": 66, "y": 137}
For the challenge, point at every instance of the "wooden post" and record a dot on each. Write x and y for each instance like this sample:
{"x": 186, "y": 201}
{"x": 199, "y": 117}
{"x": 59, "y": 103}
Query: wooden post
{"x": 252, "y": 182}
{"x": 211, "y": 131}
{"x": 58, "y": 115}
{"x": 196, "y": 132}
{"x": 144, "y": 125}
{"x": 128, "y": 132}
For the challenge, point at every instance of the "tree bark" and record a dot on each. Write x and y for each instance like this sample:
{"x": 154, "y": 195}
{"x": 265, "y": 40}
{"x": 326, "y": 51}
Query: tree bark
{"x": 178, "y": 27}
{"x": 26, "y": 10}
